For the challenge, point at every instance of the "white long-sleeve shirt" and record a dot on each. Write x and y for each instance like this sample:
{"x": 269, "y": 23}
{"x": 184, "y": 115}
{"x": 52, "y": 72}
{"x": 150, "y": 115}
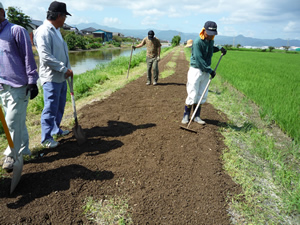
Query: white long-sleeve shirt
{"x": 53, "y": 53}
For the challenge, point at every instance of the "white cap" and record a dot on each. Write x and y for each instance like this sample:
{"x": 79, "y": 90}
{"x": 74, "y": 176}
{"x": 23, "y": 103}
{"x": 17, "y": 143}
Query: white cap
{"x": 1, "y": 6}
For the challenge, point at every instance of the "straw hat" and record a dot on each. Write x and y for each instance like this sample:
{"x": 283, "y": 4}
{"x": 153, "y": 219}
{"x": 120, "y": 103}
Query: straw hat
{"x": 189, "y": 43}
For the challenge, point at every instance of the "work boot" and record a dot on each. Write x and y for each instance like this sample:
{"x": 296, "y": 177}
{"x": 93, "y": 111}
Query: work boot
{"x": 186, "y": 115}
{"x": 197, "y": 115}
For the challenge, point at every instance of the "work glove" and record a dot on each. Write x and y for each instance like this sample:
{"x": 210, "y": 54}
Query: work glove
{"x": 33, "y": 90}
{"x": 157, "y": 58}
{"x": 223, "y": 50}
{"x": 133, "y": 47}
{"x": 213, "y": 74}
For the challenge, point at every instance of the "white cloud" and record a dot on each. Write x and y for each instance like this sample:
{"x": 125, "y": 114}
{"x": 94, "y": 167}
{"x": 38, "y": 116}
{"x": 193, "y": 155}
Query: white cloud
{"x": 272, "y": 14}
{"x": 111, "y": 21}
{"x": 292, "y": 26}
{"x": 174, "y": 13}
{"x": 150, "y": 12}
{"x": 149, "y": 21}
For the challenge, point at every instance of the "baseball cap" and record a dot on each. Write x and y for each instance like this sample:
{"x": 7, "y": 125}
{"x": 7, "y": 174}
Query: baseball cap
{"x": 1, "y": 6}
{"x": 211, "y": 28}
{"x": 58, "y": 7}
{"x": 151, "y": 34}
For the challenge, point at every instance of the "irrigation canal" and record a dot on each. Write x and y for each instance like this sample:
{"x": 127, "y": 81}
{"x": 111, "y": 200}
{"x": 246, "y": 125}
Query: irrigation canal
{"x": 82, "y": 61}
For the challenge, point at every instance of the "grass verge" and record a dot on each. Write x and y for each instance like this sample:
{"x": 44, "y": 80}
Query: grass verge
{"x": 261, "y": 158}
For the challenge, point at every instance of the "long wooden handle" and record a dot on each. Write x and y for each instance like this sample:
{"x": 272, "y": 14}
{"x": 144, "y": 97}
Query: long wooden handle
{"x": 130, "y": 59}
{"x": 6, "y": 130}
{"x": 70, "y": 82}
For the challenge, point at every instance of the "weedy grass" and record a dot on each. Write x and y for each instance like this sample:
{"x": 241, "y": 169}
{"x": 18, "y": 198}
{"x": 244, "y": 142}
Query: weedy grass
{"x": 171, "y": 65}
{"x": 264, "y": 164}
{"x": 111, "y": 210}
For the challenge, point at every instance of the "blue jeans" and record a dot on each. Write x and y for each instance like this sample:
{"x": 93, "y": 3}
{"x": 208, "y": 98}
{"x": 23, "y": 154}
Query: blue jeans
{"x": 55, "y": 95}
{"x": 14, "y": 102}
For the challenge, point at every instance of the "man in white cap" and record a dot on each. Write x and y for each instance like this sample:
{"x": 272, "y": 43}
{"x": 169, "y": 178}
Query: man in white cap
{"x": 18, "y": 77}
{"x": 199, "y": 71}
{"x": 153, "y": 56}
{"x": 54, "y": 70}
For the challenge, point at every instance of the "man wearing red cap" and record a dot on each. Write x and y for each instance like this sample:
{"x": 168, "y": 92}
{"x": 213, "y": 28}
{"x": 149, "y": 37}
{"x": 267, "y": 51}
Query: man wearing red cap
{"x": 153, "y": 56}
{"x": 198, "y": 74}
{"x": 54, "y": 70}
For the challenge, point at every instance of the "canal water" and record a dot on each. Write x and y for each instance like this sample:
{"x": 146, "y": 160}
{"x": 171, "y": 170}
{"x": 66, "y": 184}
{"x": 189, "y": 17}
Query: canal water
{"x": 82, "y": 61}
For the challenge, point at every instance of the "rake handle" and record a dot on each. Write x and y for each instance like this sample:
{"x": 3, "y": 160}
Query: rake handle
{"x": 130, "y": 59}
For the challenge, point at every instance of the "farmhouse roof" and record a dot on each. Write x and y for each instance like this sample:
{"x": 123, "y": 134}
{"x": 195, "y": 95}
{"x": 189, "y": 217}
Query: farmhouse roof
{"x": 89, "y": 29}
{"x": 66, "y": 26}
{"x": 36, "y": 23}
{"x": 101, "y": 31}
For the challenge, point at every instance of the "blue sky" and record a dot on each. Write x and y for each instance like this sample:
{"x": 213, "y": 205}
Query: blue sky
{"x": 265, "y": 19}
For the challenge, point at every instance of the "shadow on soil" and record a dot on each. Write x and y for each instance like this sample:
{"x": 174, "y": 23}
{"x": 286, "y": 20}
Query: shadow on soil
{"x": 29, "y": 190}
{"x": 168, "y": 84}
{"x": 69, "y": 148}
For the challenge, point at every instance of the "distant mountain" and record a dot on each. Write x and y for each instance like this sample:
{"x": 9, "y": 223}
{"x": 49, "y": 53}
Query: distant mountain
{"x": 167, "y": 35}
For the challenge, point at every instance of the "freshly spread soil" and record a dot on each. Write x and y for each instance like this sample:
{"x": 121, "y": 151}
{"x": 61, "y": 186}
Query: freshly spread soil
{"x": 135, "y": 150}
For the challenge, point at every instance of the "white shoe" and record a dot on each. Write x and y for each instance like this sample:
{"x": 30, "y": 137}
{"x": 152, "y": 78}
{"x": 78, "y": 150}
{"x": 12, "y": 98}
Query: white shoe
{"x": 198, "y": 120}
{"x": 50, "y": 143}
{"x": 185, "y": 119}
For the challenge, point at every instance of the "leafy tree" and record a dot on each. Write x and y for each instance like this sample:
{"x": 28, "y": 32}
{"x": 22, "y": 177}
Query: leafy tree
{"x": 70, "y": 38}
{"x": 228, "y": 47}
{"x": 271, "y": 48}
{"x": 16, "y": 16}
{"x": 286, "y": 48}
{"x": 176, "y": 40}
{"x": 117, "y": 38}
{"x": 74, "y": 41}
{"x": 238, "y": 46}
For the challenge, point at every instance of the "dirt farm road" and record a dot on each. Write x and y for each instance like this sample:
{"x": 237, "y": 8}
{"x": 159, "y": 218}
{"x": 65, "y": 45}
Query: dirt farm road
{"x": 135, "y": 150}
